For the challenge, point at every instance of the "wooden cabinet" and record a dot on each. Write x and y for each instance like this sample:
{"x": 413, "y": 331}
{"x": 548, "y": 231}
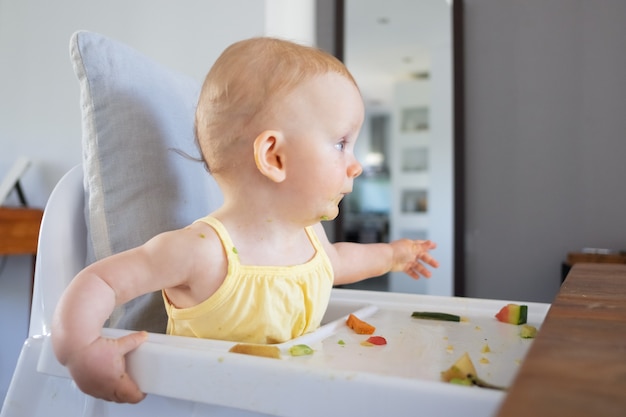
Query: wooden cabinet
{"x": 19, "y": 233}
{"x": 19, "y": 230}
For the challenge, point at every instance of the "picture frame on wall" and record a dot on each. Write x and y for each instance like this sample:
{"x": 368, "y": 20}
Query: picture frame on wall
{"x": 414, "y": 201}
{"x": 415, "y": 159}
{"x": 415, "y": 119}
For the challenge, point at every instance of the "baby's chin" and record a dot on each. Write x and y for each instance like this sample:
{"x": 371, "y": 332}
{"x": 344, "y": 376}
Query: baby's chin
{"x": 326, "y": 218}
{"x": 329, "y": 215}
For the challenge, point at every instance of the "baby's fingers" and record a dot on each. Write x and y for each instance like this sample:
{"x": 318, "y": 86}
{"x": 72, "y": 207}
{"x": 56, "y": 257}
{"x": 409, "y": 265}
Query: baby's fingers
{"x": 131, "y": 341}
{"x": 426, "y": 245}
{"x": 427, "y": 258}
{"x": 126, "y": 390}
{"x": 417, "y": 270}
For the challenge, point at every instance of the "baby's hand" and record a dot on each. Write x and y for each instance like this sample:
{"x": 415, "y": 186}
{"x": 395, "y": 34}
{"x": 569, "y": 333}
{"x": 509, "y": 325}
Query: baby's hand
{"x": 411, "y": 256}
{"x": 100, "y": 369}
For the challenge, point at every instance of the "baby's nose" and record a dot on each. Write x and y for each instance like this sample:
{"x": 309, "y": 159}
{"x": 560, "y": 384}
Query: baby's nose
{"x": 355, "y": 169}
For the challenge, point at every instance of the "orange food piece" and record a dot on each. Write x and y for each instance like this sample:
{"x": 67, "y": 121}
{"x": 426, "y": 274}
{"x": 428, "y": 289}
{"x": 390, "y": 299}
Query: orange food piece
{"x": 359, "y": 326}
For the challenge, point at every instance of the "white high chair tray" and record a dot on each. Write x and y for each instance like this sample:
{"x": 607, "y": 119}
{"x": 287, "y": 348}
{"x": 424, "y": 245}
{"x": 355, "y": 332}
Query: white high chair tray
{"x": 342, "y": 377}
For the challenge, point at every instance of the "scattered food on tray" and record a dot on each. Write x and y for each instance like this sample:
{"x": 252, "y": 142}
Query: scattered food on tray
{"x": 433, "y": 315}
{"x": 459, "y": 381}
{"x": 513, "y": 314}
{"x": 484, "y": 361}
{"x": 376, "y": 340}
{"x": 527, "y": 331}
{"x": 341, "y": 342}
{"x": 460, "y": 369}
{"x": 485, "y": 349}
{"x": 359, "y": 326}
{"x": 463, "y": 372}
{"x": 267, "y": 351}
{"x": 449, "y": 348}
{"x": 300, "y": 350}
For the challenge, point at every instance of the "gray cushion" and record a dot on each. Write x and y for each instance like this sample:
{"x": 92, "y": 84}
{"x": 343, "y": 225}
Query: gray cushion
{"x": 136, "y": 115}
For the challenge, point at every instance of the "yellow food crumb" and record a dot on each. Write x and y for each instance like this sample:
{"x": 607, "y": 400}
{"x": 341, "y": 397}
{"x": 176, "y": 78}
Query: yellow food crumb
{"x": 366, "y": 344}
{"x": 485, "y": 349}
{"x": 202, "y": 235}
{"x": 450, "y": 348}
{"x": 477, "y": 328}
{"x": 268, "y": 351}
{"x": 484, "y": 360}
{"x": 465, "y": 319}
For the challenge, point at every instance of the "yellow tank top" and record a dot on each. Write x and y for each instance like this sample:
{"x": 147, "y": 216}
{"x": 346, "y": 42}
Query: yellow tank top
{"x": 258, "y": 304}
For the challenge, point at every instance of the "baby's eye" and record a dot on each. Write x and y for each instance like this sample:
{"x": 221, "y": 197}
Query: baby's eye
{"x": 340, "y": 146}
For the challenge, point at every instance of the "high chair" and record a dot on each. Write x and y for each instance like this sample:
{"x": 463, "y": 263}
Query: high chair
{"x": 195, "y": 377}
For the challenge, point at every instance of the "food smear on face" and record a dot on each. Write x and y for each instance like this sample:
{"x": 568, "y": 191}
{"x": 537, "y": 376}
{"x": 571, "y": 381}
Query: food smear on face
{"x": 359, "y": 326}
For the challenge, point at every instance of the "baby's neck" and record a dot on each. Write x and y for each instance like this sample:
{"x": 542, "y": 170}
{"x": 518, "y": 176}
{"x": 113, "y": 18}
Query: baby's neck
{"x": 262, "y": 240}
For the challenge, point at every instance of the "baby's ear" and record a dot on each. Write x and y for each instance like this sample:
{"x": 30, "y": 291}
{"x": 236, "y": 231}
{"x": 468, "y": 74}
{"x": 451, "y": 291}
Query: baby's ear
{"x": 269, "y": 154}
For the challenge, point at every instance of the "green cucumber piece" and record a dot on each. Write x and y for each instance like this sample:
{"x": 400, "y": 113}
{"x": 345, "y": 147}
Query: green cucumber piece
{"x": 300, "y": 350}
{"x": 431, "y": 315}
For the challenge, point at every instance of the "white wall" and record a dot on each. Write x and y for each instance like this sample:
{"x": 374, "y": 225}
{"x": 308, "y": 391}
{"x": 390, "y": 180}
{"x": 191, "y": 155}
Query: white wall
{"x": 39, "y": 96}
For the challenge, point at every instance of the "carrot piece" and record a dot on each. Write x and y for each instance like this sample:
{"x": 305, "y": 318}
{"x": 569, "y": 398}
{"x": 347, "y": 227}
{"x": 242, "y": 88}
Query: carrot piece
{"x": 359, "y": 326}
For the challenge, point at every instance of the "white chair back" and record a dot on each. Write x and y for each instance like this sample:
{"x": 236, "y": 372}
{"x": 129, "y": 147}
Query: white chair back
{"x": 61, "y": 250}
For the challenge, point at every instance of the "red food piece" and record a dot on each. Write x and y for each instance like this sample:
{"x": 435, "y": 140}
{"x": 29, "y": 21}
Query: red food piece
{"x": 377, "y": 340}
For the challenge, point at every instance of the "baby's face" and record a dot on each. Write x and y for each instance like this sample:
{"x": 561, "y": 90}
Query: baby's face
{"x": 321, "y": 120}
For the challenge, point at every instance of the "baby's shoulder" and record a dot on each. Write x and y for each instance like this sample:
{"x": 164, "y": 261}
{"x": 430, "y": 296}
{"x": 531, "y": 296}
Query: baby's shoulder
{"x": 202, "y": 263}
{"x": 201, "y": 237}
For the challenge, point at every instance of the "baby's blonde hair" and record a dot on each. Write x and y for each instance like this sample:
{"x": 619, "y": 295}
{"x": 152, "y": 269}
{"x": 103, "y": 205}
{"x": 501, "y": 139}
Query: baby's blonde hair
{"x": 245, "y": 82}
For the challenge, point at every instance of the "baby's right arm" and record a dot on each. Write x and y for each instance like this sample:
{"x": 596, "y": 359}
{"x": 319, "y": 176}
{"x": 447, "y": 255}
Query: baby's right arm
{"x": 97, "y": 364}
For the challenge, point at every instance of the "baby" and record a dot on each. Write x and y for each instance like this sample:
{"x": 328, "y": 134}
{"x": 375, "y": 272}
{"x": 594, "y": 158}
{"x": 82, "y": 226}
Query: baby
{"x": 276, "y": 123}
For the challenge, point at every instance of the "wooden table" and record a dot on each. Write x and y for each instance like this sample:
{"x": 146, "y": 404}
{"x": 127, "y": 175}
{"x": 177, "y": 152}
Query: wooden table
{"x": 577, "y": 364}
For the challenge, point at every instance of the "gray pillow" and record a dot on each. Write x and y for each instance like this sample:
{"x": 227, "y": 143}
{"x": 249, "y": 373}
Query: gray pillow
{"x": 137, "y": 118}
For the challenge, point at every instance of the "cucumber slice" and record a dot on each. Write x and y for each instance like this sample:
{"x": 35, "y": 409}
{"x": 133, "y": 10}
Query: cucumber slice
{"x": 432, "y": 315}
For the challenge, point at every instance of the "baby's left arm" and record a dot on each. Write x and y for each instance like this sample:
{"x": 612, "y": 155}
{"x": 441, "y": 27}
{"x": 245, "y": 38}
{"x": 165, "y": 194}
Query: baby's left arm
{"x": 354, "y": 262}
